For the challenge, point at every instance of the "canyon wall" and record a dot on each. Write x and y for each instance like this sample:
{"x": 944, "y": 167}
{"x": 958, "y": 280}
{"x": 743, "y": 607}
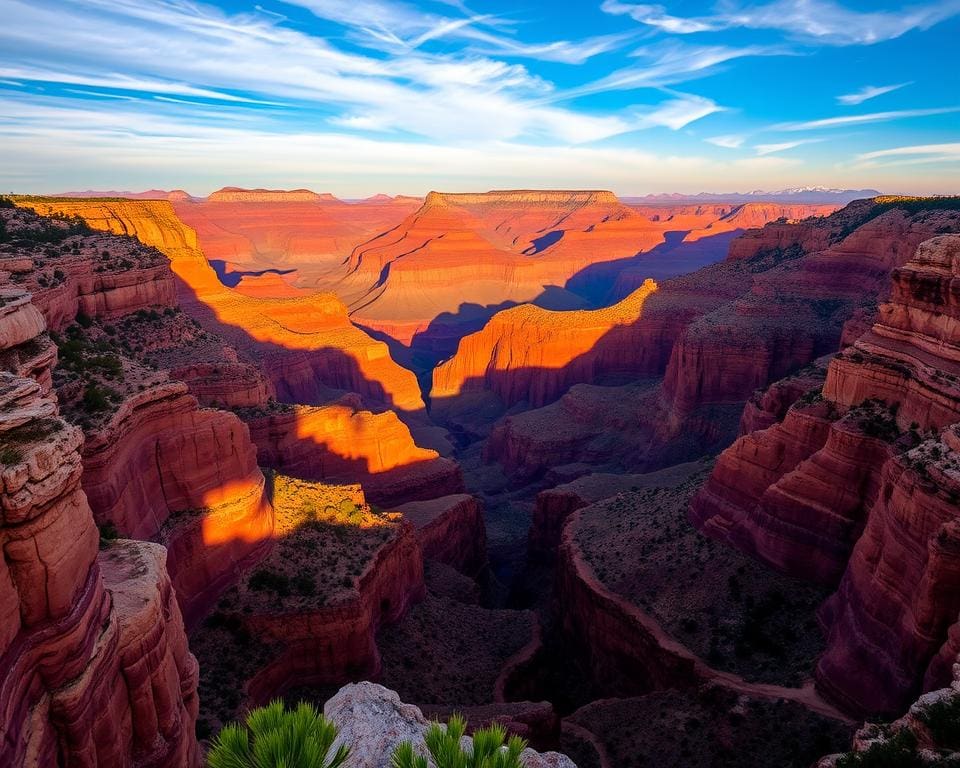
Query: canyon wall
{"x": 151, "y": 453}
{"x": 344, "y": 443}
{"x": 306, "y": 345}
{"x": 551, "y": 248}
{"x": 94, "y": 665}
{"x": 857, "y": 484}
{"x": 451, "y": 530}
{"x": 534, "y": 355}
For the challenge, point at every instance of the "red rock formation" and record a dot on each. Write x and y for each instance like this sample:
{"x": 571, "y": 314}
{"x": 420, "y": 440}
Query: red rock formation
{"x": 240, "y": 195}
{"x": 899, "y": 596}
{"x": 798, "y": 494}
{"x": 769, "y": 406}
{"x": 94, "y": 666}
{"x": 257, "y": 229}
{"x": 533, "y": 354}
{"x": 227, "y": 384}
{"x": 451, "y": 530}
{"x": 507, "y": 246}
{"x": 342, "y": 443}
{"x": 555, "y": 505}
{"x": 163, "y": 469}
{"x": 158, "y": 455}
{"x": 329, "y": 645}
{"x": 795, "y": 310}
{"x": 328, "y": 633}
{"x": 307, "y": 345}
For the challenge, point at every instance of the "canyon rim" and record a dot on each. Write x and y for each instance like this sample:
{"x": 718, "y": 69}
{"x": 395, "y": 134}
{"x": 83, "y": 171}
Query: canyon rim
{"x": 421, "y": 384}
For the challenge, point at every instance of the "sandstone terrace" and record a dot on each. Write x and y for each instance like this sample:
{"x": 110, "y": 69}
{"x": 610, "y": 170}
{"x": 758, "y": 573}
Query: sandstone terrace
{"x": 723, "y": 606}
{"x": 452, "y": 652}
{"x": 712, "y": 728}
{"x": 327, "y": 538}
{"x": 327, "y": 535}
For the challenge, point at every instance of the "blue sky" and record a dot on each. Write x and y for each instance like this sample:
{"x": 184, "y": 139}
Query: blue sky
{"x": 365, "y": 96}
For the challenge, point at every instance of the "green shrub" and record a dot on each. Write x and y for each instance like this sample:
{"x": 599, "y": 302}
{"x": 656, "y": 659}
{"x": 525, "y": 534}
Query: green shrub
{"x": 446, "y": 750}
{"x": 943, "y": 719}
{"x": 274, "y": 737}
{"x": 898, "y": 751}
{"x": 108, "y": 533}
{"x": 96, "y": 398}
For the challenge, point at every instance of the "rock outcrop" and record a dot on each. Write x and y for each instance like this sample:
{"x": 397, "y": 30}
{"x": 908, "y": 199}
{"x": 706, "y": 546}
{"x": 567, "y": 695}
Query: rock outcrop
{"x": 156, "y": 465}
{"x": 240, "y": 195}
{"x": 797, "y": 299}
{"x": 534, "y": 355}
{"x": 451, "y": 530}
{"x": 163, "y": 469}
{"x": 373, "y": 721}
{"x": 309, "y": 613}
{"x": 343, "y": 443}
{"x": 94, "y": 665}
{"x": 860, "y": 481}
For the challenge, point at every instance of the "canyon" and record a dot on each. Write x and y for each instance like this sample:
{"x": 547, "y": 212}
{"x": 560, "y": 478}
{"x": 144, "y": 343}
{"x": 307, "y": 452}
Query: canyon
{"x": 640, "y": 480}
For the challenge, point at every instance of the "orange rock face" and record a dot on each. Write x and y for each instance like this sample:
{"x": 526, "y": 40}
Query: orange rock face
{"x": 551, "y": 248}
{"x": 342, "y": 443}
{"x": 164, "y": 469}
{"x": 534, "y": 355}
{"x": 307, "y": 345}
{"x": 257, "y": 229}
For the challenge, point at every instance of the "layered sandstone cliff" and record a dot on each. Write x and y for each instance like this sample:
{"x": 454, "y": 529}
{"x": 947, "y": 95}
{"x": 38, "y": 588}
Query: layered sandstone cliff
{"x": 451, "y": 530}
{"x": 797, "y": 298}
{"x": 727, "y": 330}
{"x": 859, "y": 481}
{"x": 534, "y": 355}
{"x": 309, "y": 613}
{"x": 94, "y": 665}
{"x": 163, "y": 469}
{"x": 252, "y": 230}
{"x": 509, "y": 247}
{"x": 343, "y": 443}
{"x": 156, "y": 465}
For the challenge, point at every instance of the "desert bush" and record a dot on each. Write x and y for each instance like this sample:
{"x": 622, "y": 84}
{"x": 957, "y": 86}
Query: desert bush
{"x": 447, "y": 751}
{"x": 897, "y": 751}
{"x": 275, "y": 736}
{"x": 943, "y": 719}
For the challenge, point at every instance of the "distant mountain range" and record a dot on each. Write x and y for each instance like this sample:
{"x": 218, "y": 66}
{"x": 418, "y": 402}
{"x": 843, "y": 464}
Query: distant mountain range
{"x": 792, "y": 195}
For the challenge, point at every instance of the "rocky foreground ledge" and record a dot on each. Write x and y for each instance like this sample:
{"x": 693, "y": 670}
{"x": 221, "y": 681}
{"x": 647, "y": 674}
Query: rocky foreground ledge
{"x": 372, "y": 720}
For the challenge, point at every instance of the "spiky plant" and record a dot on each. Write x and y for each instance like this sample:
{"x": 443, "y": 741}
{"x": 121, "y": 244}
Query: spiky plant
{"x": 446, "y": 751}
{"x": 274, "y": 737}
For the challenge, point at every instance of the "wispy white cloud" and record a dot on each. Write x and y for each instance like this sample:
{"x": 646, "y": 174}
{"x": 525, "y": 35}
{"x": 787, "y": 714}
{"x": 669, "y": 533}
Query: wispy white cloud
{"x": 729, "y": 141}
{"x": 916, "y": 154}
{"x": 821, "y": 21}
{"x": 783, "y": 146}
{"x": 180, "y": 49}
{"x": 679, "y": 112}
{"x": 393, "y": 25}
{"x": 669, "y": 63}
{"x": 873, "y": 117}
{"x": 868, "y": 92}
